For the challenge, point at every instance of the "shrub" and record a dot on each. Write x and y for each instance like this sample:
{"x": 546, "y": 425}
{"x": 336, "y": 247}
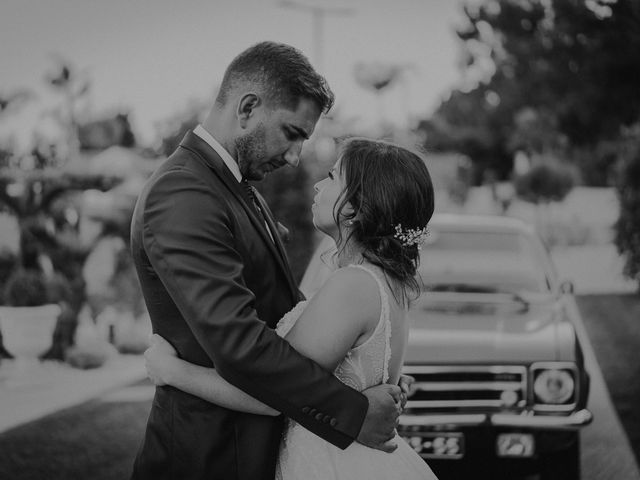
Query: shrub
{"x": 132, "y": 346}
{"x": 89, "y": 355}
{"x": 8, "y": 261}
{"x": 544, "y": 183}
{"x": 26, "y": 288}
{"x": 132, "y": 335}
{"x": 627, "y": 227}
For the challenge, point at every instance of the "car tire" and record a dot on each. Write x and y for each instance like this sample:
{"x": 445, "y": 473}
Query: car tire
{"x": 562, "y": 465}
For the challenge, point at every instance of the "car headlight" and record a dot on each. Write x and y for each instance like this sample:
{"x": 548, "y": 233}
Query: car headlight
{"x": 553, "y": 386}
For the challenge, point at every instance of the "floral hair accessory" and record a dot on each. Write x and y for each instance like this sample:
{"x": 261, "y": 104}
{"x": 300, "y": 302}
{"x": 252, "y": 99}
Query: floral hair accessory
{"x": 411, "y": 236}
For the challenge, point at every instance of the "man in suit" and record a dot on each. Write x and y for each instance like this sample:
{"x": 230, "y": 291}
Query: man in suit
{"x": 216, "y": 281}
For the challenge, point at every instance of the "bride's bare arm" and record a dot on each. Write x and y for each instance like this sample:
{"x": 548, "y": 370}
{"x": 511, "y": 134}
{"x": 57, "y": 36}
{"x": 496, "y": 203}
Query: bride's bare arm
{"x": 344, "y": 309}
{"x": 165, "y": 368}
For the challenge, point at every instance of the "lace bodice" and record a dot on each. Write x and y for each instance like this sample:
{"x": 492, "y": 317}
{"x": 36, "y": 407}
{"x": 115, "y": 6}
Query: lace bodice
{"x": 367, "y": 364}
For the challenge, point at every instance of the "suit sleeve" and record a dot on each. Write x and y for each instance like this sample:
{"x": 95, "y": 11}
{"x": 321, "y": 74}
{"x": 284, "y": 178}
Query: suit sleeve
{"x": 188, "y": 239}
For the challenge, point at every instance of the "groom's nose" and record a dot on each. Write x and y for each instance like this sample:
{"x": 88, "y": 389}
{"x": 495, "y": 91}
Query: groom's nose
{"x": 292, "y": 156}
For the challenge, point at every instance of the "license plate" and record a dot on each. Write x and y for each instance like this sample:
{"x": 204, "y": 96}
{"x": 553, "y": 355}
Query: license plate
{"x": 437, "y": 444}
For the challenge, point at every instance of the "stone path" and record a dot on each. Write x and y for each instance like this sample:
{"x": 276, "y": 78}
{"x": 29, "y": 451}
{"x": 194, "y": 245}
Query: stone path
{"x": 33, "y": 391}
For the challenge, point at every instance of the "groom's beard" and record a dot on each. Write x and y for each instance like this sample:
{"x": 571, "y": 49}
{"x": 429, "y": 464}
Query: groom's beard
{"x": 251, "y": 152}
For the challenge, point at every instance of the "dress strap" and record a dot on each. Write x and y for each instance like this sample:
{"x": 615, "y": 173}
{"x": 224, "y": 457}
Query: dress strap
{"x": 384, "y": 319}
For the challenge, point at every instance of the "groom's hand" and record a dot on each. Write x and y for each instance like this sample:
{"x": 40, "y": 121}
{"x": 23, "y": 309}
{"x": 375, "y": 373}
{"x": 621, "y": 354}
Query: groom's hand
{"x": 406, "y": 384}
{"x": 379, "y": 426}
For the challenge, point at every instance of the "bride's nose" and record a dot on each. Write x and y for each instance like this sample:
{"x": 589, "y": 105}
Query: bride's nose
{"x": 318, "y": 185}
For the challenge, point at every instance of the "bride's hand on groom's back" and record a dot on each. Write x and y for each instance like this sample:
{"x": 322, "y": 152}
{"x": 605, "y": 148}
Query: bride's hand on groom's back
{"x": 379, "y": 426}
{"x": 158, "y": 360}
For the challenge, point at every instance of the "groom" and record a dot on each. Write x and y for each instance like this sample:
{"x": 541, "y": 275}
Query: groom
{"x": 216, "y": 281}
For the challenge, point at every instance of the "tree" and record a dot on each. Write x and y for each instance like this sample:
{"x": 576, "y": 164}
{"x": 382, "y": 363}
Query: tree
{"x": 627, "y": 227}
{"x": 31, "y": 197}
{"x": 571, "y": 62}
{"x": 38, "y": 191}
{"x": 467, "y": 124}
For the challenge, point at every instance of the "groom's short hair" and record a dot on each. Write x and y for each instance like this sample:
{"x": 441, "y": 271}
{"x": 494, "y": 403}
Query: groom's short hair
{"x": 280, "y": 72}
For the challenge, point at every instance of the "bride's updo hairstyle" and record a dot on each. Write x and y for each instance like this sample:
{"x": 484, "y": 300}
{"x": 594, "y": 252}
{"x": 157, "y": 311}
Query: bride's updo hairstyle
{"x": 389, "y": 188}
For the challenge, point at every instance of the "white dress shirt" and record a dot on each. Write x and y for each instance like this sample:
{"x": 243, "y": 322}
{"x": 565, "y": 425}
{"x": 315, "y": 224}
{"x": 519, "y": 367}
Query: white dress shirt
{"x": 220, "y": 150}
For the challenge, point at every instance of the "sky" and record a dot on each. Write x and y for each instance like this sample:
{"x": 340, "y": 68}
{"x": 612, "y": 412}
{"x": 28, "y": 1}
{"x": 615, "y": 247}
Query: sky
{"x": 152, "y": 57}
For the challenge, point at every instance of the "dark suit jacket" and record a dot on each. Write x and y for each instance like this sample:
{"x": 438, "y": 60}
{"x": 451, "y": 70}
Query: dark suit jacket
{"x": 215, "y": 285}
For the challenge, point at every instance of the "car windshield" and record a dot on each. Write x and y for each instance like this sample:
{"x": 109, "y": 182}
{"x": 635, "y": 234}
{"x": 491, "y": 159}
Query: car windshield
{"x": 468, "y": 261}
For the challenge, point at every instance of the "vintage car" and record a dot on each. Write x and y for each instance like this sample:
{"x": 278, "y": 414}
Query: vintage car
{"x": 499, "y": 368}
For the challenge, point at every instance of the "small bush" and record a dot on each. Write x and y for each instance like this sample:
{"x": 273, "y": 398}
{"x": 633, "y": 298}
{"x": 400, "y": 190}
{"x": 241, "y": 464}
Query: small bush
{"x": 26, "y": 288}
{"x": 132, "y": 346}
{"x": 132, "y": 334}
{"x": 546, "y": 182}
{"x": 89, "y": 355}
{"x": 8, "y": 261}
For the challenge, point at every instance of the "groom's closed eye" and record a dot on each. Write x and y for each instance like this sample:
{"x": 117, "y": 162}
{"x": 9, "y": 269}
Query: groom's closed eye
{"x": 291, "y": 135}
{"x": 294, "y": 133}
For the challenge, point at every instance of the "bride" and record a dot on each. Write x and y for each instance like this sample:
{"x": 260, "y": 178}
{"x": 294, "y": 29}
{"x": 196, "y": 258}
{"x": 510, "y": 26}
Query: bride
{"x": 375, "y": 203}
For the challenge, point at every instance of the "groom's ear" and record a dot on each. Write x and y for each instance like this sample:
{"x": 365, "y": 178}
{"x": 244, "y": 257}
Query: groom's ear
{"x": 246, "y": 107}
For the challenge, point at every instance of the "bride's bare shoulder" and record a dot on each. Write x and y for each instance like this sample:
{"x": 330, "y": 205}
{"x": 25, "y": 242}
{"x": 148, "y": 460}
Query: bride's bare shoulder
{"x": 351, "y": 289}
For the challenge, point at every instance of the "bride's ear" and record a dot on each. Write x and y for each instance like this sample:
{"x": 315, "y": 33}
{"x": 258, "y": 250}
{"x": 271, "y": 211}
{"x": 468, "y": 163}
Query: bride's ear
{"x": 352, "y": 222}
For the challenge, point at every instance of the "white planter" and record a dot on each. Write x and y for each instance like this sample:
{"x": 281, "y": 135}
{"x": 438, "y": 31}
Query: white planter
{"x": 27, "y": 332}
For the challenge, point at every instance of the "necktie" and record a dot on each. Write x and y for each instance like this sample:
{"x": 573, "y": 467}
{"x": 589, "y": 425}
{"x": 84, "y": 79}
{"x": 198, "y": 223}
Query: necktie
{"x": 252, "y": 195}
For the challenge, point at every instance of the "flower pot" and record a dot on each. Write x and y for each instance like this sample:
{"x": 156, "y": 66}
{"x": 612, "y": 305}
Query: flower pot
{"x": 27, "y": 332}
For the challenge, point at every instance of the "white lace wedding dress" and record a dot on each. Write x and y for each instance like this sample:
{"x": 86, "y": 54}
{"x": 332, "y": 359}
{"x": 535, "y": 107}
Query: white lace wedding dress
{"x": 304, "y": 455}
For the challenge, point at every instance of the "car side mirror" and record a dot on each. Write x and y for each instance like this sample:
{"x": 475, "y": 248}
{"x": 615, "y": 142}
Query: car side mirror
{"x": 566, "y": 287}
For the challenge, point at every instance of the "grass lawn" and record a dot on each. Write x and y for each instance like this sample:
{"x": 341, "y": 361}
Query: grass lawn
{"x": 97, "y": 440}
{"x": 613, "y": 324}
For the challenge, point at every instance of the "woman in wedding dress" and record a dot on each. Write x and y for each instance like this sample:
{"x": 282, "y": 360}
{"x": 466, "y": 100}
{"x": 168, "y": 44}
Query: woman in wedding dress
{"x": 375, "y": 203}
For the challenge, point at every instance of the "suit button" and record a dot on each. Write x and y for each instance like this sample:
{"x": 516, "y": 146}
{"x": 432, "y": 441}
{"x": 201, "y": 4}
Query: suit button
{"x": 326, "y": 419}
{"x": 312, "y": 412}
{"x": 305, "y": 409}
{"x": 319, "y": 417}
{"x": 333, "y": 422}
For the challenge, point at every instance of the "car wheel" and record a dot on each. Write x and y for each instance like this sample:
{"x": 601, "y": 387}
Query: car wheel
{"x": 562, "y": 465}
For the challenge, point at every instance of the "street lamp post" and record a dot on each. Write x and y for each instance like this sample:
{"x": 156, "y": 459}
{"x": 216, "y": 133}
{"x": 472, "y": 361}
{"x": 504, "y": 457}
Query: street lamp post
{"x": 318, "y": 15}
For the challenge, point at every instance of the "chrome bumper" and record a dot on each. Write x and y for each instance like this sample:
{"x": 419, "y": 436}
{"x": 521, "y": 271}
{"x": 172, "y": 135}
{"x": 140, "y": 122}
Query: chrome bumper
{"x": 527, "y": 420}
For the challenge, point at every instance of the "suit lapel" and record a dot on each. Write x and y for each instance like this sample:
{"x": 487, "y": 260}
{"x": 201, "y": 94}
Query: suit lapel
{"x": 277, "y": 241}
{"x": 208, "y": 155}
